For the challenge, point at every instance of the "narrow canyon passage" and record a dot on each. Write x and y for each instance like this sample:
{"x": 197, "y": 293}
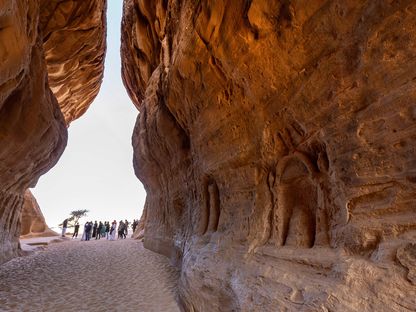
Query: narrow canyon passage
{"x": 89, "y": 276}
{"x": 275, "y": 141}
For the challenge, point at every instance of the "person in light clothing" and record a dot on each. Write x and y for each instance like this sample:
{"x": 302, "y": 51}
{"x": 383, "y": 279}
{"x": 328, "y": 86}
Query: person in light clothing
{"x": 113, "y": 230}
{"x": 84, "y": 235}
{"x": 64, "y": 226}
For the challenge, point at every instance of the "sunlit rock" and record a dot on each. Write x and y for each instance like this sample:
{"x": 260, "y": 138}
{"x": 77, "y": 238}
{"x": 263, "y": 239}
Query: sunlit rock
{"x": 51, "y": 63}
{"x": 276, "y": 145}
{"x": 32, "y": 223}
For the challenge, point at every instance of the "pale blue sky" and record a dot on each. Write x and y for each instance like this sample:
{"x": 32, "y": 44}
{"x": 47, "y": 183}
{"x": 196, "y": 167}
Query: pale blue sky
{"x": 96, "y": 172}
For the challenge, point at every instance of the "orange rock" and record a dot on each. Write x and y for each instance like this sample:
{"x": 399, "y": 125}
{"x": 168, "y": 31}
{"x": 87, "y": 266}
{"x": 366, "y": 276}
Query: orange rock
{"x": 275, "y": 143}
{"x": 32, "y": 222}
{"x": 51, "y": 63}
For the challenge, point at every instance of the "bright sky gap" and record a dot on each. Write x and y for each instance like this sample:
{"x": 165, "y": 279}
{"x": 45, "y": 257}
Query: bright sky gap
{"x": 96, "y": 172}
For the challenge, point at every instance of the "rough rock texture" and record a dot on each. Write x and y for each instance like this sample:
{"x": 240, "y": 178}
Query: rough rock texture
{"x": 32, "y": 127}
{"x": 407, "y": 257}
{"x": 32, "y": 222}
{"x": 139, "y": 232}
{"x": 276, "y": 142}
{"x": 74, "y": 43}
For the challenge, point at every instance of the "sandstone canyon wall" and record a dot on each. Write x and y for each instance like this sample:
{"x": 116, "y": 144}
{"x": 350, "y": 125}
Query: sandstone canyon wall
{"x": 32, "y": 221}
{"x": 276, "y": 142}
{"x": 52, "y": 55}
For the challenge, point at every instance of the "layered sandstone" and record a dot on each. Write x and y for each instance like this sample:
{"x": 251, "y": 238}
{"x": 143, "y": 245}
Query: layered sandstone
{"x": 276, "y": 143}
{"x": 35, "y": 40}
{"x": 32, "y": 221}
{"x": 74, "y": 44}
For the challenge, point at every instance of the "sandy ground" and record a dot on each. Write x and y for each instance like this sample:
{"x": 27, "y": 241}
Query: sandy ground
{"x": 89, "y": 276}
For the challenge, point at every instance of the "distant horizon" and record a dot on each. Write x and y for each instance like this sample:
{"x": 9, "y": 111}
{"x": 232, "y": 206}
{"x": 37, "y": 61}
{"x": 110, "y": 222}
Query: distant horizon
{"x": 95, "y": 171}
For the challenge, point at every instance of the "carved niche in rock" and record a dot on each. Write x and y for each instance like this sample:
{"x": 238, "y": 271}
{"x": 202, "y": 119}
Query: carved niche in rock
{"x": 301, "y": 215}
{"x": 210, "y": 214}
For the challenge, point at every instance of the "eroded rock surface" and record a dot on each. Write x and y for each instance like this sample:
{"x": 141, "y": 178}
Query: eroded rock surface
{"x": 74, "y": 43}
{"x": 407, "y": 257}
{"x": 33, "y": 40}
{"x": 32, "y": 222}
{"x": 276, "y": 143}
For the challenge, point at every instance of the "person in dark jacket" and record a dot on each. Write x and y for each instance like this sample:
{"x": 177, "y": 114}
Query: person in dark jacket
{"x": 94, "y": 229}
{"x": 134, "y": 225}
{"x": 126, "y": 228}
{"x": 88, "y": 228}
{"x": 103, "y": 227}
{"x": 107, "y": 229}
{"x": 76, "y": 229}
{"x": 121, "y": 229}
{"x": 98, "y": 234}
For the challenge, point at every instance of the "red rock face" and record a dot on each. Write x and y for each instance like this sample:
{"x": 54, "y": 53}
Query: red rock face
{"x": 74, "y": 43}
{"x": 33, "y": 131}
{"x": 32, "y": 223}
{"x": 276, "y": 144}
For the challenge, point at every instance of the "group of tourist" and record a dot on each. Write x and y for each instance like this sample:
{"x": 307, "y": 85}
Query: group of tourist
{"x": 100, "y": 230}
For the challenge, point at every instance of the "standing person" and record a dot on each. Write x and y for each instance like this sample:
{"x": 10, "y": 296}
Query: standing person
{"x": 121, "y": 229}
{"x": 100, "y": 225}
{"x": 64, "y": 226}
{"x": 88, "y": 231}
{"x": 76, "y": 229}
{"x": 113, "y": 230}
{"x": 134, "y": 225}
{"x": 84, "y": 234}
{"x": 94, "y": 229}
{"x": 103, "y": 228}
{"x": 126, "y": 228}
{"x": 107, "y": 228}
